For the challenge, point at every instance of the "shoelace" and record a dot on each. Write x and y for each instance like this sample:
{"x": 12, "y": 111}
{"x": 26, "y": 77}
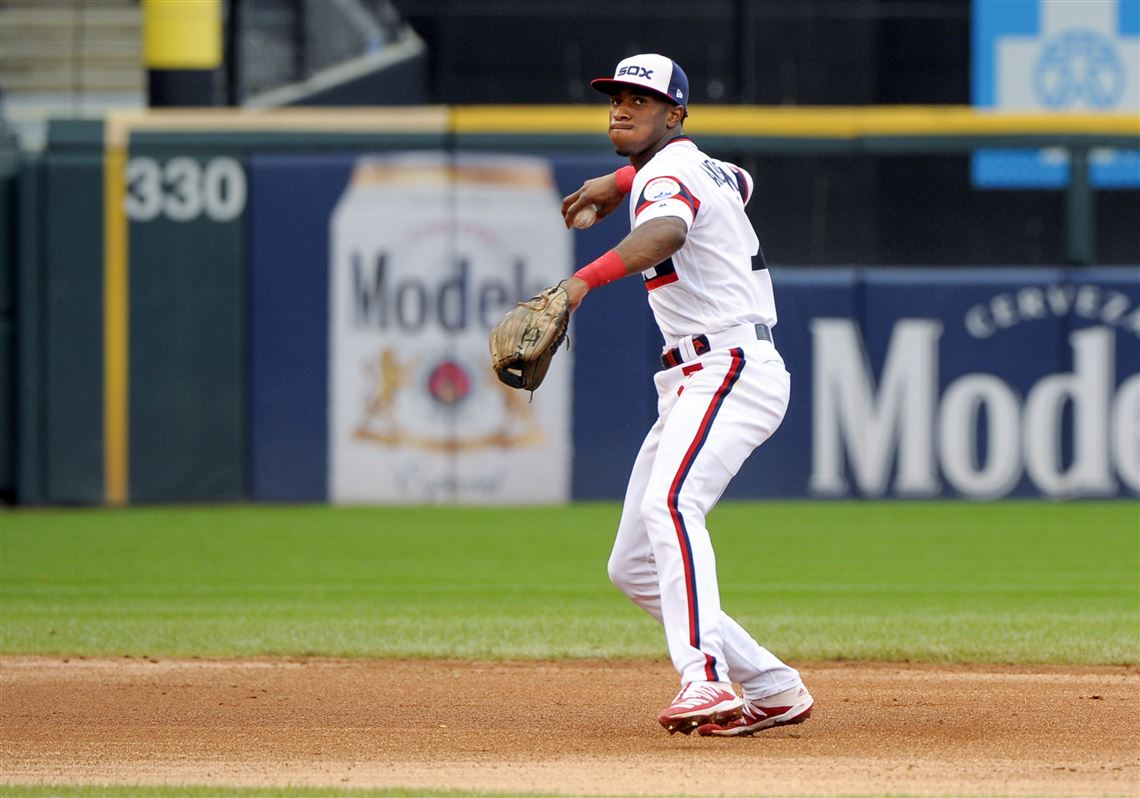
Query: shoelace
{"x": 694, "y": 694}
{"x": 754, "y": 712}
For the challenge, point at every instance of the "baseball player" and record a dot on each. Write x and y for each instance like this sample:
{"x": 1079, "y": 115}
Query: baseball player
{"x": 722, "y": 392}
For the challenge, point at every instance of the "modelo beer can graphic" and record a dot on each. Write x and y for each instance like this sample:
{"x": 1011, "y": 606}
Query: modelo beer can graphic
{"x": 428, "y": 253}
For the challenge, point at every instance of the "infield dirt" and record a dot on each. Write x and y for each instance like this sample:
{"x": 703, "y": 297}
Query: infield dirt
{"x": 577, "y": 727}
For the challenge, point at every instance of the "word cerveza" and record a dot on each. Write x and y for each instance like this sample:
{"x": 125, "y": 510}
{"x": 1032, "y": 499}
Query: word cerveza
{"x": 1031, "y": 303}
{"x": 900, "y": 425}
{"x": 384, "y": 299}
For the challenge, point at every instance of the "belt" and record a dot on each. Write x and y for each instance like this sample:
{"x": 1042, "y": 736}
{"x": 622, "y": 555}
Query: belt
{"x": 694, "y": 346}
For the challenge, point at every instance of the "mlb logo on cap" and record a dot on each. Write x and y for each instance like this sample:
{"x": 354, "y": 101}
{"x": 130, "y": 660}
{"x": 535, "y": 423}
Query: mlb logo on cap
{"x": 651, "y": 71}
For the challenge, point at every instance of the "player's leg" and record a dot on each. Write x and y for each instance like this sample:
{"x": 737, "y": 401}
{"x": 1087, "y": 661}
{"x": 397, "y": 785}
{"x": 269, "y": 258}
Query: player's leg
{"x": 759, "y": 672}
{"x": 727, "y": 409}
{"x": 632, "y": 570}
{"x": 690, "y": 472}
{"x": 631, "y": 566}
{"x": 774, "y": 692}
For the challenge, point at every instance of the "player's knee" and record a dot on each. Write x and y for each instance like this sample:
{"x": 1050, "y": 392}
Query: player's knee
{"x": 638, "y": 582}
{"x": 618, "y": 569}
{"x": 632, "y": 576}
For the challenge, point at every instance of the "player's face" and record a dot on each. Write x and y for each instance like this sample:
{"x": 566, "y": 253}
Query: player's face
{"x": 638, "y": 121}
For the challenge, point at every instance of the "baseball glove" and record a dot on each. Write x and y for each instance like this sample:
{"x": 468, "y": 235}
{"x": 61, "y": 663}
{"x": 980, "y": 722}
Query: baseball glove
{"x": 524, "y": 342}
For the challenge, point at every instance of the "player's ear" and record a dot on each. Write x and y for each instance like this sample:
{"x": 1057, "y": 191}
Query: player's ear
{"x": 677, "y": 115}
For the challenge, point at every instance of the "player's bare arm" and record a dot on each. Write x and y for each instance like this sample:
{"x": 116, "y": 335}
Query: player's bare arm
{"x": 646, "y": 246}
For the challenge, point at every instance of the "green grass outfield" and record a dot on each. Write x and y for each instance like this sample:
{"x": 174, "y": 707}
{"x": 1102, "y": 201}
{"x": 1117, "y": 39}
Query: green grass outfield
{"x": 1021, "y": 582}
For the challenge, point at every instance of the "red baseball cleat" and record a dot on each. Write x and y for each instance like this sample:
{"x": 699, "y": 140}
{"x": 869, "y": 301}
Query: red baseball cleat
{"x": 791, "y": 706}
{"x": 701, "y": 703}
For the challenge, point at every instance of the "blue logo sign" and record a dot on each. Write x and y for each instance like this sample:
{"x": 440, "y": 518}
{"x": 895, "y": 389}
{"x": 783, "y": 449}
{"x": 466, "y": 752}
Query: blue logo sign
{"x": 1079, "y": 66}
{"x": 1056, "y": 55}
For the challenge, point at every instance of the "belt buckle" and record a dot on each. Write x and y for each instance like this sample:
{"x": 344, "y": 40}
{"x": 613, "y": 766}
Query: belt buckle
{"x": 699, "y": 344}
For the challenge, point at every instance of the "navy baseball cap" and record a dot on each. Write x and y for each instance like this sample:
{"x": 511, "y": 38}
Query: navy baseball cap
{"x": 661, "y": 75}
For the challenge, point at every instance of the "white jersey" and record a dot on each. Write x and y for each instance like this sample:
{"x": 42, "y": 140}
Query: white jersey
{"x": 711, "y": 283}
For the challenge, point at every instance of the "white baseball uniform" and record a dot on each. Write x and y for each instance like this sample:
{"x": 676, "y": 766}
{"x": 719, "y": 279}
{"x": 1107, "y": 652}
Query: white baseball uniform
{"x": 725, "y": 395}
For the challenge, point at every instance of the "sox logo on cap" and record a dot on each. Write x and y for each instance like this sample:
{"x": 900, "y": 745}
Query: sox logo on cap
{"x": 659, "y": 74}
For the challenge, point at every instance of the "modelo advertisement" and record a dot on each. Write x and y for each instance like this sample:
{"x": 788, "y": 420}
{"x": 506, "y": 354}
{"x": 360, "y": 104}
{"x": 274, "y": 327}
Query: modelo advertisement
{"x": 974, "y": 384}
{"x": 427, "y": 254}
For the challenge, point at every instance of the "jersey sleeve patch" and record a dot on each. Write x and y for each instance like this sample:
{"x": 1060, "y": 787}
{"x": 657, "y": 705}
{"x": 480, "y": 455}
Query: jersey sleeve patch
{"x": 660, "y": 188}
{"x": 666, "y": 190}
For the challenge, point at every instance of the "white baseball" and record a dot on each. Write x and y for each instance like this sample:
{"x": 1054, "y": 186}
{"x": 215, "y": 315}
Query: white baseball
{"x": 586, "y": 217}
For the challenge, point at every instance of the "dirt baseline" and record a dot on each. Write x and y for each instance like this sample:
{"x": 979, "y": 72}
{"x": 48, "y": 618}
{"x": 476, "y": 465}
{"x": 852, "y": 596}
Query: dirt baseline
{"x": 577, "y": 727}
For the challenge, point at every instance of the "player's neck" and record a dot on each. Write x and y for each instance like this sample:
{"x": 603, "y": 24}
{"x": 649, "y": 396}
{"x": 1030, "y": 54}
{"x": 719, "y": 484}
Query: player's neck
{"x": 642, "y": 158}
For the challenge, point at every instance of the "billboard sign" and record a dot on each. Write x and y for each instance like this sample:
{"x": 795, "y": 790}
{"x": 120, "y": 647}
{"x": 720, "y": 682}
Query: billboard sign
{"x": 428, "y": 251}
{"x": 955, "y": 383}
{"x": 974, "y": 403}
{"x": 1059, "y": 56}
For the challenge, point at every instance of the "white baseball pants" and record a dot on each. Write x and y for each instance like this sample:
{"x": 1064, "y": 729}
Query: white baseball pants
{"x": 712, "y": 413}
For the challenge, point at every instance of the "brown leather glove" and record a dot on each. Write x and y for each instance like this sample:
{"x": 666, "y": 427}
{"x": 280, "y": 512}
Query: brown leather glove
{"x": 524, "y": 342}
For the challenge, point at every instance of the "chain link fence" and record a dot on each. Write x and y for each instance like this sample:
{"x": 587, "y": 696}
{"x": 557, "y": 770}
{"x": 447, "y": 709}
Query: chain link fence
{"x": 924, "y": 210}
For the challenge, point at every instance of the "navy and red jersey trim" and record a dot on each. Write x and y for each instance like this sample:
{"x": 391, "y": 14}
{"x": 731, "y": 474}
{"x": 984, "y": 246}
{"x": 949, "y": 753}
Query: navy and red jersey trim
{"x": 741, "y": 183}
{"x": 679, "y": 527}
{"x": 663, "y": 273}
{"x": 684, "y": 195}
{"x": 759, "y": 264}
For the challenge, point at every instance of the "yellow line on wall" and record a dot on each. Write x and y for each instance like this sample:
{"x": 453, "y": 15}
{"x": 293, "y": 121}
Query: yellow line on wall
{"x": 966, "y": 121}
{"x": 527, "y": 119}
{"x": 116, "y": 315}
{"x": 835, "y": 122}
{"x": 376, "y": 119}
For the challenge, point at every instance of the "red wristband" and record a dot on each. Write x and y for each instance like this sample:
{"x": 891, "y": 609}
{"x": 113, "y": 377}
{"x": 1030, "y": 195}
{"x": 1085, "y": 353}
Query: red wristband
{"x": 604, "y": 270}
{"x": 624, "y": 178}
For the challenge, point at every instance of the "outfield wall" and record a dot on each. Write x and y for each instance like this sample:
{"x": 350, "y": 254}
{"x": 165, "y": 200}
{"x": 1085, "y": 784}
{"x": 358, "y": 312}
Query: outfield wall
{"x": 298, "y": 311}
